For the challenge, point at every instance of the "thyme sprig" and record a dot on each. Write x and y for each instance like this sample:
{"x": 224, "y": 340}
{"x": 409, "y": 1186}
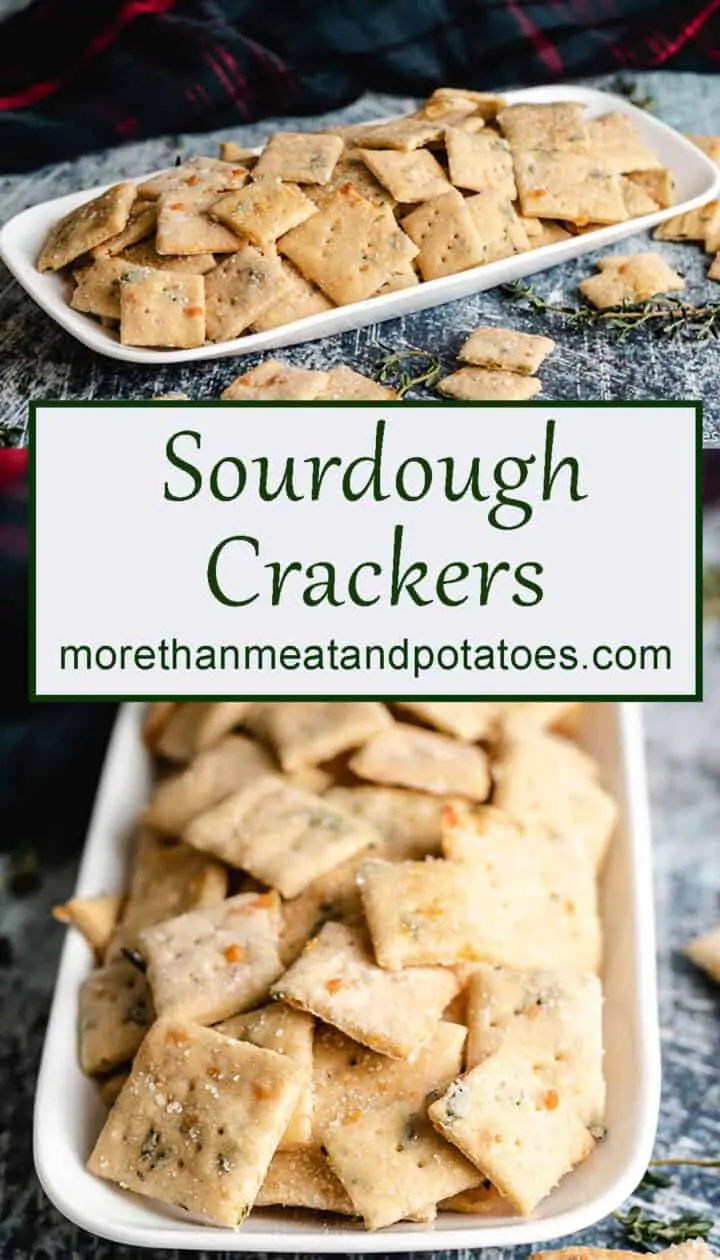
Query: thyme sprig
{"x": 667, "y": 317}
{"x": 648, "y": 1230}
{"x": 404, "y": 370}
{"x": 631, "y": 91}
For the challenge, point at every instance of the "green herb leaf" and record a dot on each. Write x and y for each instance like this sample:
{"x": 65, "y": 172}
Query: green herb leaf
{"x": 631, "y": 91}
{"x": 648, "y": 1230}
{"x": 664, "y": 317}
{"x": 653, "y": 1180}
{"x": 404, "y": 370}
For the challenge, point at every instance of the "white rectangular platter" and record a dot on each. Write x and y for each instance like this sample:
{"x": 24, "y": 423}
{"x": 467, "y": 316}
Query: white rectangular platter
{"x": 68, "y": 1112}
{"x": 697, "y": 180}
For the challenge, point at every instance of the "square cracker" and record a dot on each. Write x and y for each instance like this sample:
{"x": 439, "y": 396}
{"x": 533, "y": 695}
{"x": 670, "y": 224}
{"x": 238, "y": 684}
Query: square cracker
{"x": 615, "y": 140}
{"x": 97, "y": 291}
{"x": 559, "y": 1009}
{"x": 403, "y": 276}
{"x": 505, "y": 349}
{"x": 500, "y": 228}
{"x": 630, "y": 278}
{"x": 197, "y": 174}
{"x": 466, "y": 719}
{"x": 344, "y": 383}
{"x": 446, "y": 234}
{"x": 408, "y": 821}
{"x": 161, "y": 309}
{"x": 167, "y": 879}
{"x": 702, "y": 224}
{"x": 305, "y": 732}
{"x": 277, "y": 1027}
{"x": 140, "y": 225}
{"x": 333, "y": 896}
{"x": 195, "y": 725}
{"x": 475, "y": 384}
{"x": 483, "y": 1200}
{"x": 337, "y": 979}
{"x": 240, "y": 289}
{"x": 558, "y": 127}
{"x": 145, "y": 255}
{"x": 94, "y": 917}
{"x": 349, "y": 248}
{"x": 575, "y": 187}
{"x": 185, "y": 227}
{"x": 408, "y": 176}
{"x": 92, "y": 223}
{"x": 351, "y": 170}
{"x": 660, "y": 185}
{"x": 393, "y": 1163}
{"x": 480, "y": 161}
{"x": 535, "y": 899}
{"x": 303, "y": 1178}
{"x": 273, "y": 379}
{"x": 408, "y": 756}
{"x": 512, "y": 1121}
{"x": 704, "y": 951}
{"x": 300, "y": 298}
{"x": 281, "y": 835}
{"x": 544, "y": 232}
{"x": 209, "y": 964}
{"x": 264, "y": 210}
{"x": 404, "y": 134}
{"x": 299, "y": 157}
{"x": 638, "y": 200}
{"x": 233, "y": 763}
{"x": 115, "y": 1012}
{"x": 486, "y": 104}
{"x": 198, "y": 1121}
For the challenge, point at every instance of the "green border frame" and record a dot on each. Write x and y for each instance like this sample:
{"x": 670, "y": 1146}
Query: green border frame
{"x": 192, "y": 404}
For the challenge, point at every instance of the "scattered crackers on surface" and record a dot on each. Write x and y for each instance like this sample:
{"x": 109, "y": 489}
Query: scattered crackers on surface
{"x": 476, "y": 384}
{"x": 630, "y": 278}
{"x": 506, "y": 350}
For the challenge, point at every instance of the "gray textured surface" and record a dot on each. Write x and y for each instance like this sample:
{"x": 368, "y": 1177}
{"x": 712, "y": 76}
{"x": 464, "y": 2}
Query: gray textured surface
{"x": 683, "y": 742}
{"x": 39, "y": 360}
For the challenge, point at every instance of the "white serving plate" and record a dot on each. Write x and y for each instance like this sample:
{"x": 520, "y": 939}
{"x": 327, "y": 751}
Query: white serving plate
{"x": 697, "y": 180}
{"x": 68, "y": 1112}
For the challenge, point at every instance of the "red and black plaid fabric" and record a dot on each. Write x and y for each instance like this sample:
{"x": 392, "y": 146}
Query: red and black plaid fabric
{"x": 77, "y": 75}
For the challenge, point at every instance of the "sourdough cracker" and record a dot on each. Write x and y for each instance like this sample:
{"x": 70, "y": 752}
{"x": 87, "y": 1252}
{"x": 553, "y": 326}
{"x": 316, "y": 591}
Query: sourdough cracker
{"x": 199, "y": 174}
{"x": 300, "y": 298}
{"x": 704, "y": 951}
{"x": 615, "y": 140}
{"x": 146, "y": 255}
{"x": 408, "y": 821}
{"x": 184, "y": 226}
{"x": 91, "y": 224}
{"x": 505, "y": 349}
{"x": 637, "y": 199}
{"x": 466, "y": 719}
{"x": 303, "y": 1178}
{"x": 344, "y": 383}
{"x": 407, "y": 756}
{"x": 281, "y": 835}
{"x": 404, "y": 134}
{"x": 94, "y": 917}
{"x": 236, "y": 153}
{"x": 630, "y": 278}
{"x": 694, "y": 225}
{"x": 299, "y": 157}
{"x": 544, "y": 232}
{"x": 198, "y": 1121}
{"x": 480, "y": 161}
{"x": 709, "y": 145}
{"x": 500, "y": 228}
{"x": 311, "y": 731}
{"x": 337, "y": 979}
{"x": 195, "y": 725}
{"x": 97, "y": 291}
{"x": 161, "y": 309}
{"x": 408, "y": 176}
{"x": 140, "y": 225}
{"x": 229, "y": 765}
{"x": 658, "y": 184}
{"x": 557, "y": 127}
{"x": 264, "y": 210}
{"x": 482, "y": 1200}
{"x": 273, "y": 379}
{"x": 240, "y": 289}
{"x": 575, "y": 187}
{"x": 277, "y": 1027}
{"x": 210, "y": 964}
{"x": 446, "y": 235}
{"x": 475, "y": 384}
{"x": 115, "y": 1012}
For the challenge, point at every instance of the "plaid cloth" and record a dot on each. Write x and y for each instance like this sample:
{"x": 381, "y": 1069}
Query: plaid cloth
{"x": 76, "y": 76}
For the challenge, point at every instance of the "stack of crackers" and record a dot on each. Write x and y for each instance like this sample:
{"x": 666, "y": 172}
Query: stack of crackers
{"x": 217, "y": 248}
{"x": 701, "y": 225}
{"x": 356, "y": 966}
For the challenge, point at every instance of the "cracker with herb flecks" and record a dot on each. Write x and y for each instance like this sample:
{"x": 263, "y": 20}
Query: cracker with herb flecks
{"x": 198, "y": 1121}
{"x": 161, "y": 309}
{"x": 575, "y": 187}
{"x": 446, "y": 235}
{"x": 95, "y": 221}
{"x": 409, "y": 176}
{"x": 408, "y": 756}
{"x": 303, "y": 1178}
{"x": 505, "y": 349}
{"x": 509, "y": 1117}
{"x": 299, "y": 157}
{"x": 393, "y": 1164}
{"x": 407, "y": 820}
{"x": 195, "y": 725}
{"x": 630, "y": 278}
{"x": 704, "y": 951}
{"x": 466, "y": 719}
{"x": 349, "y": 248}
{"x": 480, "y": 161}
{"x": 332, "y": 896}
{"x": 264, "y": 210}
{"x": 300, "y": 298}
{"x": 403, "y": 276}
{"x": 279, "y": 1028}
{"x": 337, "y": 979}
{"x": 210, "y": 964}
{"x": 535, "y": 900}
{"x": 404, "y": 134}
{"x": 140, "y": 225}
{"x": 485, "y": 103}
{"x": 560, "y": 1009}
{"x": 694, "y": 225}
{"x": 231, "y": 764}
{"x": 351, "y": 170}
{"x": 94, "y": 917}
{"x": 146, "y": 255}
{"x": 347, "y": 385}
{"x": 499, "y": 226}
{"x": 184, "y": 226}
{"x": 474, "y": 384}
{"x": 616, "y": 141}
{"x": 637, "y": 199}
{"x": 660, "y": 185}
{"x": 115, "y": 1012}
{"x": 558, "y": 127}
{"x": 240, "y": 289}
{"x": 310, "y": 731}
{"x": 273, "y": 379}
{"x": 282, "y": 836}
{"x": 167, "y": 879}
{"x": 197, "y": 174}
{"x": 97, "y": 291}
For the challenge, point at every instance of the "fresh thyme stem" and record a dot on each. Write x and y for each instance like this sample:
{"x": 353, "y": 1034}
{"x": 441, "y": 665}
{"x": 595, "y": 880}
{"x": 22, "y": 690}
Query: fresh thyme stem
{"x": 667, "y": 317}
{"x": 404, "y": 370}
{"x": 647, "y": 1230}
{"x": 690, "y": 1163}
